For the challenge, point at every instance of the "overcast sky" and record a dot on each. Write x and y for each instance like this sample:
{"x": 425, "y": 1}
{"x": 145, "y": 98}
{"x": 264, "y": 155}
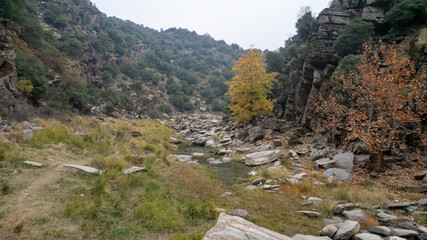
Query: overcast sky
{"x": 266, "y": 24}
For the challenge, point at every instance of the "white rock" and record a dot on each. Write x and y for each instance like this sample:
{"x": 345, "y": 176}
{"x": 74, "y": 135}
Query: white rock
{"x": 134, "y": 169}
{"x": 259, "y": 158}
{"x": 35, "y": 164}
{"x": 83, "y": 168}
{"x": 367, "y": 236}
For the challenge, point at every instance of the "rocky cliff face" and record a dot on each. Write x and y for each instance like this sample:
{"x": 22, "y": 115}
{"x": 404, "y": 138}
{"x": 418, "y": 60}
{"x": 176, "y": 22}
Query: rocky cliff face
{"x": 10, "y": 97}
{"x": 319, "y": 58}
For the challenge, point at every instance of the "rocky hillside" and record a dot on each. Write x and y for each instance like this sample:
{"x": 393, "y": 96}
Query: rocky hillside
{"x": 309, "y": 60}
{"x": 82, "y": 59}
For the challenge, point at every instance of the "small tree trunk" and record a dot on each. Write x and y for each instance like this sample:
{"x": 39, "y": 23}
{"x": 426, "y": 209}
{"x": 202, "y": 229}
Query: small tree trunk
{"x": 376, "y": 162}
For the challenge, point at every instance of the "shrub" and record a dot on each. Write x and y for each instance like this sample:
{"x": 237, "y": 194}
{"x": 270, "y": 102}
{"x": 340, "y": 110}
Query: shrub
{"x": 25, "y": 86}
{"x": 109, "y": 109}
{"x": 407, "y": 13}
{"x": 165, "y": 108}
{"x": 305, "y": 25}
{"x": 30, "y": 67}
{"x": 353, "y": 36}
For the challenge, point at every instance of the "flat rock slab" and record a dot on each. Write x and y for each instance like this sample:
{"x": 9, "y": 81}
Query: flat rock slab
{"x": 134, "y": 169}
{"x": 236, "y": 228}
{"x": 420, "y": 188}
{"x": 382, "y": 230}
{"x": 311, "y": 213}
{"x": 367, "y": 236}
{"x": 403, "y": 232}
{"x": 183, "y": 158}
{"x": 309, "y": 237}
{"x": 260, "y": 158}
{"x": 83, "y": 168}
{"x": 356, "y": 215}
{"x": 34, "y": 164}
{"x": 325, "y": 163}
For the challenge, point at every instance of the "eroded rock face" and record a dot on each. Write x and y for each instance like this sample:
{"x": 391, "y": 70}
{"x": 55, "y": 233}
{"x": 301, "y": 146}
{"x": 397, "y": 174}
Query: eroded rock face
{"x": 234, "y": 228}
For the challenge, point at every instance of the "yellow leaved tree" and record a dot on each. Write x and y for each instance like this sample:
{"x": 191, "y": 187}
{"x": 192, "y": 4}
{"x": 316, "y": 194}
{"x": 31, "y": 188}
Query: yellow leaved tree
{"x": 249, "y": 88}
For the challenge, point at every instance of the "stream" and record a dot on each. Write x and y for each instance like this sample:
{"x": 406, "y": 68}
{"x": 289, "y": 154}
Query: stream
{"x": 228, "y": 172}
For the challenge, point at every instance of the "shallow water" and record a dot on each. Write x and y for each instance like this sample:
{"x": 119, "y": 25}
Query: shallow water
{"x": 227, "y": 171}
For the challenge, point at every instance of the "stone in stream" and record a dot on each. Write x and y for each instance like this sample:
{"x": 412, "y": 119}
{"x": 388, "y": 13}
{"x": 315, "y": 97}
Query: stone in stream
{"x": 233, "y": 227}
{"x": 311, "y": 213}
{"x": 347, "y": 230}
{"x": 259, "y": 158}
{"x": 82, "y": 168}
{"x": 34, "y": 164}
{"x": 196, "y": 154}
{"x": 183, "y": 158}
{"x": 134, "y": 169}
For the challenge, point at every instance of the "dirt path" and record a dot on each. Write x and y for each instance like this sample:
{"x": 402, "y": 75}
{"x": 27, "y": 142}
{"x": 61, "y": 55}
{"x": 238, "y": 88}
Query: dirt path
{"x": 27, "y": 205}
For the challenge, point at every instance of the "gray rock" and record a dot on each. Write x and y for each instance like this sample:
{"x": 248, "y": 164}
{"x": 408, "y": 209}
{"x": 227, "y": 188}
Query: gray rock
{"x": 258, "y": 181}
{"x": 34, "y": 164}
{"x": 136, "y": 133}
{"x": 225, "y": 140}
{"x": 423, "y": 202}
{"x": 250, "y": 187}
{"x": 311, "y": 213}
{"x": 224, "y": 152}
{"x": 134, "y": 169}
{"x": 329, "y": 230}
{"x": 317, "y": 154}
{"x": 367, "y": 236}
{"x": 344, "y": 161}
{"x": 82, "y": 168}
{"x": 334, "y": 220}
{"x": 356, "y": 215}
{"x": 259, "y": 158}
{"x": 339, "y": 173}
{"x": 319, "y": 183}
{"x": 293, "y": 155}
{"x": 27, "y": 133}
{"x": 225, "y": 160}
{"x": 210, "y": 144}
{"x": 382, "y": 230}
{"x": 300, "y": 176}
{"x": 235, "y": 228}
{"x": 291, "y": 181}
{"x": 306, "y": 203}
{"x": 387, "y": 219}
{"x": 255, "y": 133}
{"x": 239, "y": 213}
{"x": 263, "y": 147}
{"x": 309, "y": 237}
{"x": 421, "y": 175}
{"x": 420, "y": 188}
{"x": 315, "y": 199}
{"x": 325, "y": 163}
{"x": 395, "y": 238}
{"x": 398, "y": 205}
{"x": 347, "y": 230}
{"x": 399, "y": 232}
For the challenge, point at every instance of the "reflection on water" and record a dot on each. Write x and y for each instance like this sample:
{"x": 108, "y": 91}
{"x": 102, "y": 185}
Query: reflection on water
{"x": 228, "y": 171}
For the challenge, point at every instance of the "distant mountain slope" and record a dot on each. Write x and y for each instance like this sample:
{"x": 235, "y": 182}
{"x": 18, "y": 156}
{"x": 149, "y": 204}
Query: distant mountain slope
{"x": 75, "y": 56}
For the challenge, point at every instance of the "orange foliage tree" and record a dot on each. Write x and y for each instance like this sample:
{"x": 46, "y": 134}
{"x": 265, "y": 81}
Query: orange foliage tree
{"x": 249, "y": 88}
{"x": 378, "y": 103}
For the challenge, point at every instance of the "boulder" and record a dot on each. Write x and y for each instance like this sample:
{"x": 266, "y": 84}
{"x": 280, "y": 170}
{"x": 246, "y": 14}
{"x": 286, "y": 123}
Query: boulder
{"x": 259, "y": 158}
{"x": 382, "y": 230}
{"x": 355, "y": 215}
{"x": 347, "y": 230}
{"x": 344, "y": 161}
{"x": 421, "y": 175}
{"x": 255, "y": 133}
{"x": 324, "y": 163}
{"x": 367, "y": 236}
{"x": 210, "y": 144}
{"x": 235, "y": 228}
{"x": 423, "y": 202}
{"x": 339, "y": 173}
{"x": 317, "y": 154}
{"x": 329, "y": 230}
{"x": 387, "y": 219}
